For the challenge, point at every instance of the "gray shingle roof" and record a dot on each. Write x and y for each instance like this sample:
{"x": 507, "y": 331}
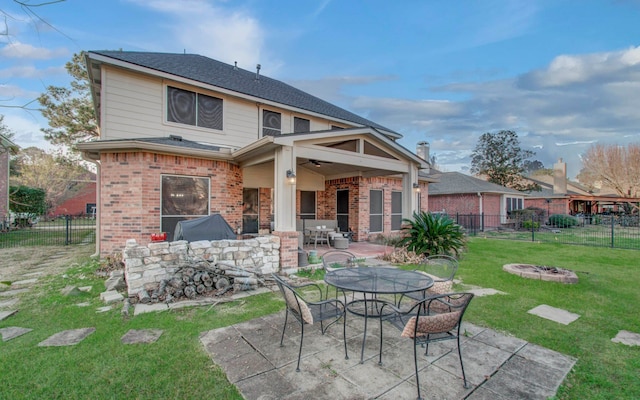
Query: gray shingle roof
{"x": 458, "y": 183}
{"x": 216, "y": 73}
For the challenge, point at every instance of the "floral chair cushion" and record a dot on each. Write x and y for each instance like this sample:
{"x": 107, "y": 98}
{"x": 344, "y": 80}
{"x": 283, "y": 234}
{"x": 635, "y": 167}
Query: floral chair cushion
{"x": 302, "y": 309}
{"x": 438, "y": 323}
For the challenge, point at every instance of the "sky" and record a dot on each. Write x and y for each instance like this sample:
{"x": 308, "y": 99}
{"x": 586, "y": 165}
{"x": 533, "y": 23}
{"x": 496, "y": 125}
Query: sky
{"x": 562, "y": 74}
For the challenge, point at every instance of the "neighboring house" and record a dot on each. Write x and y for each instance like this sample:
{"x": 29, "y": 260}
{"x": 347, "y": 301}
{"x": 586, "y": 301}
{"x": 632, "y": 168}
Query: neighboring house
{"x": 6, "y": 147}
{"x": 184, "y": 136}
{"x": 559, "y": 195}
{"x": 466, "y": 198}
{"x": 80, "y": 199}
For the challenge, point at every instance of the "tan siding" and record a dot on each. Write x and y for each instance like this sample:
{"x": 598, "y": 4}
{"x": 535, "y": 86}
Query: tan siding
{"x": 133, "y": 107}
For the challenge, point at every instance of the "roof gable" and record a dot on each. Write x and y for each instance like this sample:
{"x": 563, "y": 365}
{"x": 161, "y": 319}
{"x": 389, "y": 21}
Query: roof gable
{"x": 212, "y": 72}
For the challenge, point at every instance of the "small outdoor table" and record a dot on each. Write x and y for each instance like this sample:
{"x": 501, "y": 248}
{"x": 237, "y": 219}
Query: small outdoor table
{"x": 374, "y": 281}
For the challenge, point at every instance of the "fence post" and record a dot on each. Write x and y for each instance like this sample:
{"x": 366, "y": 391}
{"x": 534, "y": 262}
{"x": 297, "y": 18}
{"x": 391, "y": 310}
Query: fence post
{"x": 533, "y": 229}
{"x": 67, "y": 239}
{"x": 613, "y": 223}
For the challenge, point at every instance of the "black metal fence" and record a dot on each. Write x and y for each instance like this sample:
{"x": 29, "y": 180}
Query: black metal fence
{"x": 58, "y": 231}
{"x": 619, "y": 231}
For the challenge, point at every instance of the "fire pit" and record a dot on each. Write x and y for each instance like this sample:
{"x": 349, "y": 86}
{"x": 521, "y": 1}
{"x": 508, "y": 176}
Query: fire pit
{"x": 542, "y": 272}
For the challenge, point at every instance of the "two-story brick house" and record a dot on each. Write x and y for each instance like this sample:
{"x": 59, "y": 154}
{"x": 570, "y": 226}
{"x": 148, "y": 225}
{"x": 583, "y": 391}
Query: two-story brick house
{"x": 184, "y": 136}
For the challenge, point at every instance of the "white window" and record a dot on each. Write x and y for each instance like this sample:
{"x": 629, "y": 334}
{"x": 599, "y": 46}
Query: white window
{"x": 376, "y": 206}
{"x": 271, "y": 123}
{"x": 191, "y": 108}
{"x": 301, "y": 125}
{"x": 183, "y": 197}
{"x": 396, "y": 211}
{"x": 514, "y": 203}
{"x": 307, "y": 204}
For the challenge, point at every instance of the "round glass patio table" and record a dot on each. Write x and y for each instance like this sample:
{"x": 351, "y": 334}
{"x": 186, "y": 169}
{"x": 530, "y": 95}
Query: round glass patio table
{"x": 372, "y": 282}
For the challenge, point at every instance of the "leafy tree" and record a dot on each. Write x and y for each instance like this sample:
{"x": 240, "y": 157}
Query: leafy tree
{"x": 430, "y": 234}
{"x": 529, "y": 166}
{"x": 613, "y": 166}
{"x": 70, "y": 110}
{"x": 27, "y": 202}
{"x": 500, "y": 157}
{"x": 54, "y": 173}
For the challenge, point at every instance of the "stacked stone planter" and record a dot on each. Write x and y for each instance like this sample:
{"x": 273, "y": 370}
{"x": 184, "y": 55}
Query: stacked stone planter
{"x": 146, "y": 266}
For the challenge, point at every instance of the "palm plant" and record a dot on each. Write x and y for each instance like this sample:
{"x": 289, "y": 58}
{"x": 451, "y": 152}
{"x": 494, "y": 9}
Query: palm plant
{"x": 431, "y": 234}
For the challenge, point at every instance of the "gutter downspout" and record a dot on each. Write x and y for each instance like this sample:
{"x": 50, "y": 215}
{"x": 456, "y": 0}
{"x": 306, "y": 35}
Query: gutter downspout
{"x": 98, "y": 205}
{"x": 480, "y": 203}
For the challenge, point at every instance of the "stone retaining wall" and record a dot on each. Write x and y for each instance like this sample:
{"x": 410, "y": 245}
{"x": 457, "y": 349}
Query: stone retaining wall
{"x": 146, "y": 266}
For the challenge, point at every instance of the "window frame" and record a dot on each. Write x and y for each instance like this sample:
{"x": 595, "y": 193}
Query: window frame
{"x": 396, "y": 216}
{"x": 308, "y": 215}
{"x": 301, "y": 120}
{"x": 196, "y": 111}
{"x": 379, "y": 215}
{"x": 277, "y": 131}
{"x": 170, "y": 220}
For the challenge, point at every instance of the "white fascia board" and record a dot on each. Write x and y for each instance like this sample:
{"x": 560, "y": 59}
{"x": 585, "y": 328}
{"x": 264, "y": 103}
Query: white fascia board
{"x": 291, "y": 139}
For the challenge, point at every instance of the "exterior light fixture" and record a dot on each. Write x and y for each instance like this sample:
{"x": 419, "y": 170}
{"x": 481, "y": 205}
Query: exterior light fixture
{"x": 416, "y": 187}
{"x": 291, "y": 176}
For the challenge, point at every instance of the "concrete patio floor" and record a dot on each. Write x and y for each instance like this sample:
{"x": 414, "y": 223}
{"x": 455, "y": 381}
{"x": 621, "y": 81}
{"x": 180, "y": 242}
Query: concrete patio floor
{"x": 497, "y": 366}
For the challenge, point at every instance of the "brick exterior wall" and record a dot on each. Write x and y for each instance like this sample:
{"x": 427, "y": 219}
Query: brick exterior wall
{"x": 465, "y": 203}
{"x": 288, "y": 249}
{"x": 130, "y": 193}
{"x": 4, "y": 183}
{"x": 77, "y": 205}
{"x": 556, "y": 206}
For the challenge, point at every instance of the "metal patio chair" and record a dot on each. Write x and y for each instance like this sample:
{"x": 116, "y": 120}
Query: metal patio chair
{"x": 337, "y": 259}
{"x": 442, "y": 269}
{"x": 308, "y": 312}
{"x": 433, "y": 319}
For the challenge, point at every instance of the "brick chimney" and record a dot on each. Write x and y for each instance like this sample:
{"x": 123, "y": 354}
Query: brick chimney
{"x": 422, "y": 150}
{"x": 560, "y": 177}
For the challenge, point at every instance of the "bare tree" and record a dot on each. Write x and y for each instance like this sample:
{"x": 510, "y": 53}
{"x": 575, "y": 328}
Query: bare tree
{"x": 613, "y": 166}
{"x": 53, "y": 172}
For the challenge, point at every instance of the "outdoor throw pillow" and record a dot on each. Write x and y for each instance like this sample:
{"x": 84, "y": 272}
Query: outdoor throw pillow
{"x": 302, "y": 310}
{"x": 438, "y": 323}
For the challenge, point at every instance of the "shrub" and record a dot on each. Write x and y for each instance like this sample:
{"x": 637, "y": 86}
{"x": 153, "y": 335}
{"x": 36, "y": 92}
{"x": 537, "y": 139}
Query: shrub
{"x": 431, "y": 234}
{"x": 562, "y": 221}
{"x": 528, "y": 224}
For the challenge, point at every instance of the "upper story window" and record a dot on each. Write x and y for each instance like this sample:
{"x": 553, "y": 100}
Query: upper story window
{"x": 191, "y": 108}
{"x": 271, "y": 123}
{"x": 301, "y": 125}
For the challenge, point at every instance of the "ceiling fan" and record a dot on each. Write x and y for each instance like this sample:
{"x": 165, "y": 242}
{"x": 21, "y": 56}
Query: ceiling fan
{"x": 316, "y": 163}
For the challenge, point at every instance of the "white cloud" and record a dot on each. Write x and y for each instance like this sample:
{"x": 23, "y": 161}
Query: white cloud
{"x": 31, "y": 72}
{"x": 27, "y": 51}
{"x": 208, "y": 28}
{"x": 567, "y": 70}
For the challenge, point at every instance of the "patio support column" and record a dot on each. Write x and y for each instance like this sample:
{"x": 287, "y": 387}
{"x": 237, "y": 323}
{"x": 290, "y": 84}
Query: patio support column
{"x": 284, "y": 191}
{"x": 285, "y": 207}
{"x": 409, "y": 194}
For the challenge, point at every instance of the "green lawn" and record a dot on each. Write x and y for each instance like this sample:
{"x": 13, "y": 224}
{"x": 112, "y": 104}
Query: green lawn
{"x": 176, "y": 366}
{"x": 606, "y": 297}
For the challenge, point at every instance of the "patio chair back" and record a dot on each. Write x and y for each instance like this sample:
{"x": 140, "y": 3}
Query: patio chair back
{"x": 433, "y": 319}
{"x": 441, "y": 268}
{"x": 335, "y": 259}
{"x": 308, "y": 312}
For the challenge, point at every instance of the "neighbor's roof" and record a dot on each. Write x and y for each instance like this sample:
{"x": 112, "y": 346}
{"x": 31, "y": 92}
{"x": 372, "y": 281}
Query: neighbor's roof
{"x": 212, "y": 72}
{"x": 459, "y": 183}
